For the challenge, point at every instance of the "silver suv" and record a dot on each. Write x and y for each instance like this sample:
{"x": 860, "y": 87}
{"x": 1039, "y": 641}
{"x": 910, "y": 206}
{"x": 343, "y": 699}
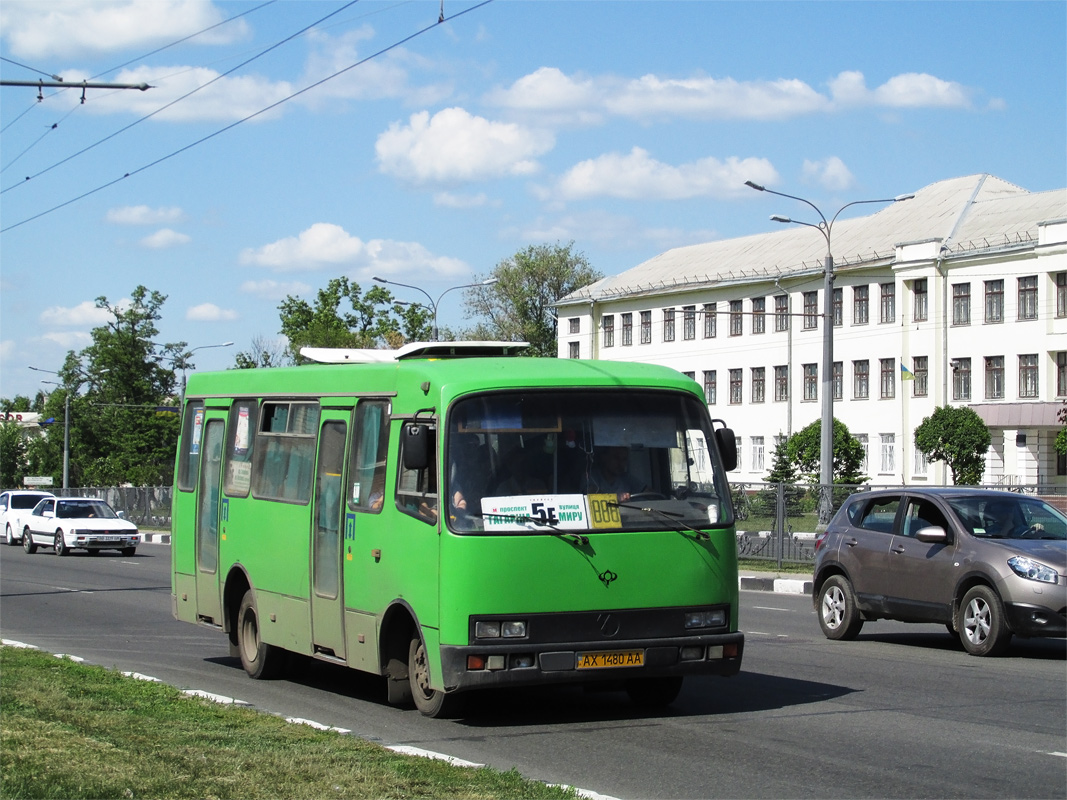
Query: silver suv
{"x": 986, "y": 564}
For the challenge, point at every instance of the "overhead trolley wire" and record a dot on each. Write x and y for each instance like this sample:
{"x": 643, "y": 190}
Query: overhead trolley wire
{"x": 262, "y": 111}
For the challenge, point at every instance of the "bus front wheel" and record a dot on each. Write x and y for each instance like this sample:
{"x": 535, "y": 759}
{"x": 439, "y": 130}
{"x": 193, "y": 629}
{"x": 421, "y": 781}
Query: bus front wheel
{"x": 260, "y": 660}
{"x": 429, "y": 702}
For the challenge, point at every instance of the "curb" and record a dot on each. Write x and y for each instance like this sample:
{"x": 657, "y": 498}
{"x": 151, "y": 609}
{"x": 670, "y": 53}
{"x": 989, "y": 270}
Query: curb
{"x": 770, "y": 584}
{"x": 155, "y": 538}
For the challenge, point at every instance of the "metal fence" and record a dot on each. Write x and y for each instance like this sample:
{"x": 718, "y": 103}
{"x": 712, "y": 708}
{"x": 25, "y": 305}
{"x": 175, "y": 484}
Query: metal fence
{"x": 146, "y": 506}
{"x": 778, "y": 522}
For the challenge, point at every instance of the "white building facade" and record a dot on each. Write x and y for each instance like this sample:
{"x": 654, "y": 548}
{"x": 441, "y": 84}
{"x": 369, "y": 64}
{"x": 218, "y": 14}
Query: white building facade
{"x": 957, "y": 296}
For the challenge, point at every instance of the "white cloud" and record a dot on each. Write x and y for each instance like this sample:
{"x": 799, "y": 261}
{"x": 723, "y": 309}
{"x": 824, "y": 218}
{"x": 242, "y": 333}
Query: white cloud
{"x": 637, "y": 176}
{"x": 85, "y": 313}
{"x": 69, "y": 340}
{"x": 209, "y": 312}
{"x": 274, "y": 290}
{"x": 907, "y": 90}
{"x": 723, "y": 98}
{"x": 453, "y": 200}
{"x": 830, "y": 173}
{"x": 165, "y": 238}
{"x": 73, "y": 28}
{"x": 454, "y": 145}
{"x": 143, "y": 215}
{"x": 7, "y": 349}
{"x": 326, "y": 244}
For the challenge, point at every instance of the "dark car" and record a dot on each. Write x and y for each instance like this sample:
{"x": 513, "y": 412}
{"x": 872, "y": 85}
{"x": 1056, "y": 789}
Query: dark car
{"x": 986, "y": 564}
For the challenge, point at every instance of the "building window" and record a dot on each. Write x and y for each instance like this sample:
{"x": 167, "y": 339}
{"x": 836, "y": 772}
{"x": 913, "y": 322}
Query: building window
{"x": 759, "y": 384}
{"x": 811, "y": 382}
{"x": 646, "y": 327}
{"x": 1028, "y": 376}
{"x": 920, "y": 368}
{"x": 1061, "y": 374}
{"x": 709, "y": 386}
{"x": 668, "y": 324}
{"x": 735, "y": 387}
{"x": 1028, "y": 297}
{"x": 920, "y": 313}
{"x": 994, "y": 301}
{"x": 961, "y": 304}
{"x": 860, "y": 305}
{"x": 839, "y": 304}
{"x": 736, "y": 317}
{"x": 887, "y": 378}
{"x": 609, "y": 330}
{"x": 865, "y": 444}
{"x": 861, "y": 380}
{"x": 627, "y": 330}
{"x": 888, "y": 308}
{"x": 781, "y": 383}
{"x": 759, "y": 314}
{"x": 709, "y": 320}
{"x": 961, "y": 379}
{"x": 838, "y": 380}
{"x": 574, "y": 325}
{"x": 919, "y": 463}
{"x": 689, "y": 323}
{"x": 757, "y": 454}
{"x": 889, "y": 452}
{"x": 994, "y": 378}
{"x": 1061, "y": 294}
{"x": 691, "y": 375}
{"x": 811, "y": 310}
{"x": 574, "y": 349}
{"x": 781, "y": 312}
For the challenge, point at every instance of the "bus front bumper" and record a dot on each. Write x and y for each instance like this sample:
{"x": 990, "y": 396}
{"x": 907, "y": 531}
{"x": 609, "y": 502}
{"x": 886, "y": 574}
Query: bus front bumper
{"x": 480, "y": 667}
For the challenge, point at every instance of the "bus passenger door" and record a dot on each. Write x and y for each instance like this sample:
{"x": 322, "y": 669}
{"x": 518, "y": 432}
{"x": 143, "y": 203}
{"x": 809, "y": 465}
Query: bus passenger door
{"x": 327, "y": 601}
{"x": 208, "y": 511}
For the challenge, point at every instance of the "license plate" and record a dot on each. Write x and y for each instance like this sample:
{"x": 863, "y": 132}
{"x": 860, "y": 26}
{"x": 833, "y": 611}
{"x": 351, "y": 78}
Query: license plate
{"x": 108, "y": 539}
{"x": 610, "y": 659}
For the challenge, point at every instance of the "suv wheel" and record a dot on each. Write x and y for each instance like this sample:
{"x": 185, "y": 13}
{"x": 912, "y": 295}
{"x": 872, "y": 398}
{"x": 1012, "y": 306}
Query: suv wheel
{"x": 983, "y": 630}
{"x": 838, "y": 615}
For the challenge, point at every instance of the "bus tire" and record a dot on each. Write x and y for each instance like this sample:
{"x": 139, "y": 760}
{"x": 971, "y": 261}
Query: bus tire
{"x": 261, "y": 661}
{"x": 429, "y": 702}
{"x": 654, "y": 692}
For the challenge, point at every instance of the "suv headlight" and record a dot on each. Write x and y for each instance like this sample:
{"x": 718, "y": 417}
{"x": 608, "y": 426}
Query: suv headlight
{"x": 1033, "y": 570}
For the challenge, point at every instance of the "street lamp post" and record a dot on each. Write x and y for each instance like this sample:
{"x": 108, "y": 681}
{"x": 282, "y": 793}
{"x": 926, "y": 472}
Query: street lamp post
{"x": 433, "y": 306}
{"x": 826, "y": 426}
{"x": 181, "y": 396}
{"x": 66, "y": 426}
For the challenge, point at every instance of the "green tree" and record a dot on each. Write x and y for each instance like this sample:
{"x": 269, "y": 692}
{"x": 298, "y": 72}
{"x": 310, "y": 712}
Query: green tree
{"x": 262, "y": 352}
{"x": 518, "y": 306}
{"x": 375, "y": 319}
{"x": 957, "y": 436}
{"x": 12, "y": 453}
{"x": 1061, "y": 436}
{"x": 804, "y": 449}
{"x": 118, "y": 434}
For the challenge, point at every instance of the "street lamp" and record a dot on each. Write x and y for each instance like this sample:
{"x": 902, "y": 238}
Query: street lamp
{"x": 826, "y": 439}
{"x": 66, "y": 426}
{"x": 184, "y": 357}
{"x": 433, "y": 306}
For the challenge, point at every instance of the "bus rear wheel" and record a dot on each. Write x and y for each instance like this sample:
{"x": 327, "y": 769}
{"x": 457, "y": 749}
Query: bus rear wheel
{"x": 260, "y": 660}
{"x": 429, "y": 702}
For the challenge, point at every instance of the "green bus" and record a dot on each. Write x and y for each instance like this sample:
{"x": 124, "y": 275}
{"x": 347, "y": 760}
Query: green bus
{"x": 452, "y": 517}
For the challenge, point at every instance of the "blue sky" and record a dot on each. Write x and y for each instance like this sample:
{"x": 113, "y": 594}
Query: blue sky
{"x": 627, "y": 127}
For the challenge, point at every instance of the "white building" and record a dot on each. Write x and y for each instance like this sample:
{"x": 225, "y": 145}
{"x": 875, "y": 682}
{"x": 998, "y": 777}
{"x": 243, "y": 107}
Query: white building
{"x": 964, "y": 286}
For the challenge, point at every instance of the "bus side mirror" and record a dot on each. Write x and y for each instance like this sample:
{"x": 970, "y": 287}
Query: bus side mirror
{"x": 416, "y": 446}
{"x": 724, "y": 438}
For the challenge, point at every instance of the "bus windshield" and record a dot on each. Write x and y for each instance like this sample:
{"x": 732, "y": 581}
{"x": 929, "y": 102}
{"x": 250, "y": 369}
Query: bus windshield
{"x": 587, "y": 461}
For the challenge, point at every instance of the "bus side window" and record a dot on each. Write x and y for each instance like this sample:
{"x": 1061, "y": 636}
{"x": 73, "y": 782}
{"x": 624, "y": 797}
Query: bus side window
{"x": 189, "y": 457}
{"x": 241, "y": 434}
{"x": 370, "y": 450}
{"x": 416, "y": 489}
{"x": 285, "y": 451}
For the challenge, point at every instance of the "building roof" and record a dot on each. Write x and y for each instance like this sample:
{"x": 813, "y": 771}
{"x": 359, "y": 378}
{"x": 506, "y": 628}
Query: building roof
{"x": 967, "y": 214}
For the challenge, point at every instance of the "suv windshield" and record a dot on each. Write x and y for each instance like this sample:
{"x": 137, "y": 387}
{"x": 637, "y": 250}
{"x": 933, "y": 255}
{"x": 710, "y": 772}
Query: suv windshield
{"x": 1015, "y": 517}
{"x": 583, "y": 461}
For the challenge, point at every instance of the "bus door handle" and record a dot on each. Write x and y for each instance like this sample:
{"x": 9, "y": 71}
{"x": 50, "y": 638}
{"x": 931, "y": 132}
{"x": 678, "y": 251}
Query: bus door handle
{"x": 376, "y": 554}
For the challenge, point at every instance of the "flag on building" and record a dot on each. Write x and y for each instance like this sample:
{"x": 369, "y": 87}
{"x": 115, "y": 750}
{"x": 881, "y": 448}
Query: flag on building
{"x": 905, "y": 373}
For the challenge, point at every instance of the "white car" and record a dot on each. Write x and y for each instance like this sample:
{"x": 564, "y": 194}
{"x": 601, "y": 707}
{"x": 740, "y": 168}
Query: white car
{"x": 15, "y": 508}
{"x": 78, "y": 523}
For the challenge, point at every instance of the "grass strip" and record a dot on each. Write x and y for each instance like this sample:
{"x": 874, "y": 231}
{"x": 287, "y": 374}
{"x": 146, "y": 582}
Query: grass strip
{"x": 70, "y": 730}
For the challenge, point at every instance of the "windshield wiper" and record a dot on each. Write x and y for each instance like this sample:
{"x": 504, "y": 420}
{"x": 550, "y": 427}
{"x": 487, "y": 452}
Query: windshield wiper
{"x": 577, "y": 538}
{"x": 673, "y": 516}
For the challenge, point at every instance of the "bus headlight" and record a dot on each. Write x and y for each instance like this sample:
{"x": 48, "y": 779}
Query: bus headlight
{"x": 499, "y": 629}
{"x": 705, "y": 619}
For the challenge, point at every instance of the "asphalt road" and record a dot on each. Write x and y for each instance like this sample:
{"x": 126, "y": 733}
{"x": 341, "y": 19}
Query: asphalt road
{"x": 901, "y": 712}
